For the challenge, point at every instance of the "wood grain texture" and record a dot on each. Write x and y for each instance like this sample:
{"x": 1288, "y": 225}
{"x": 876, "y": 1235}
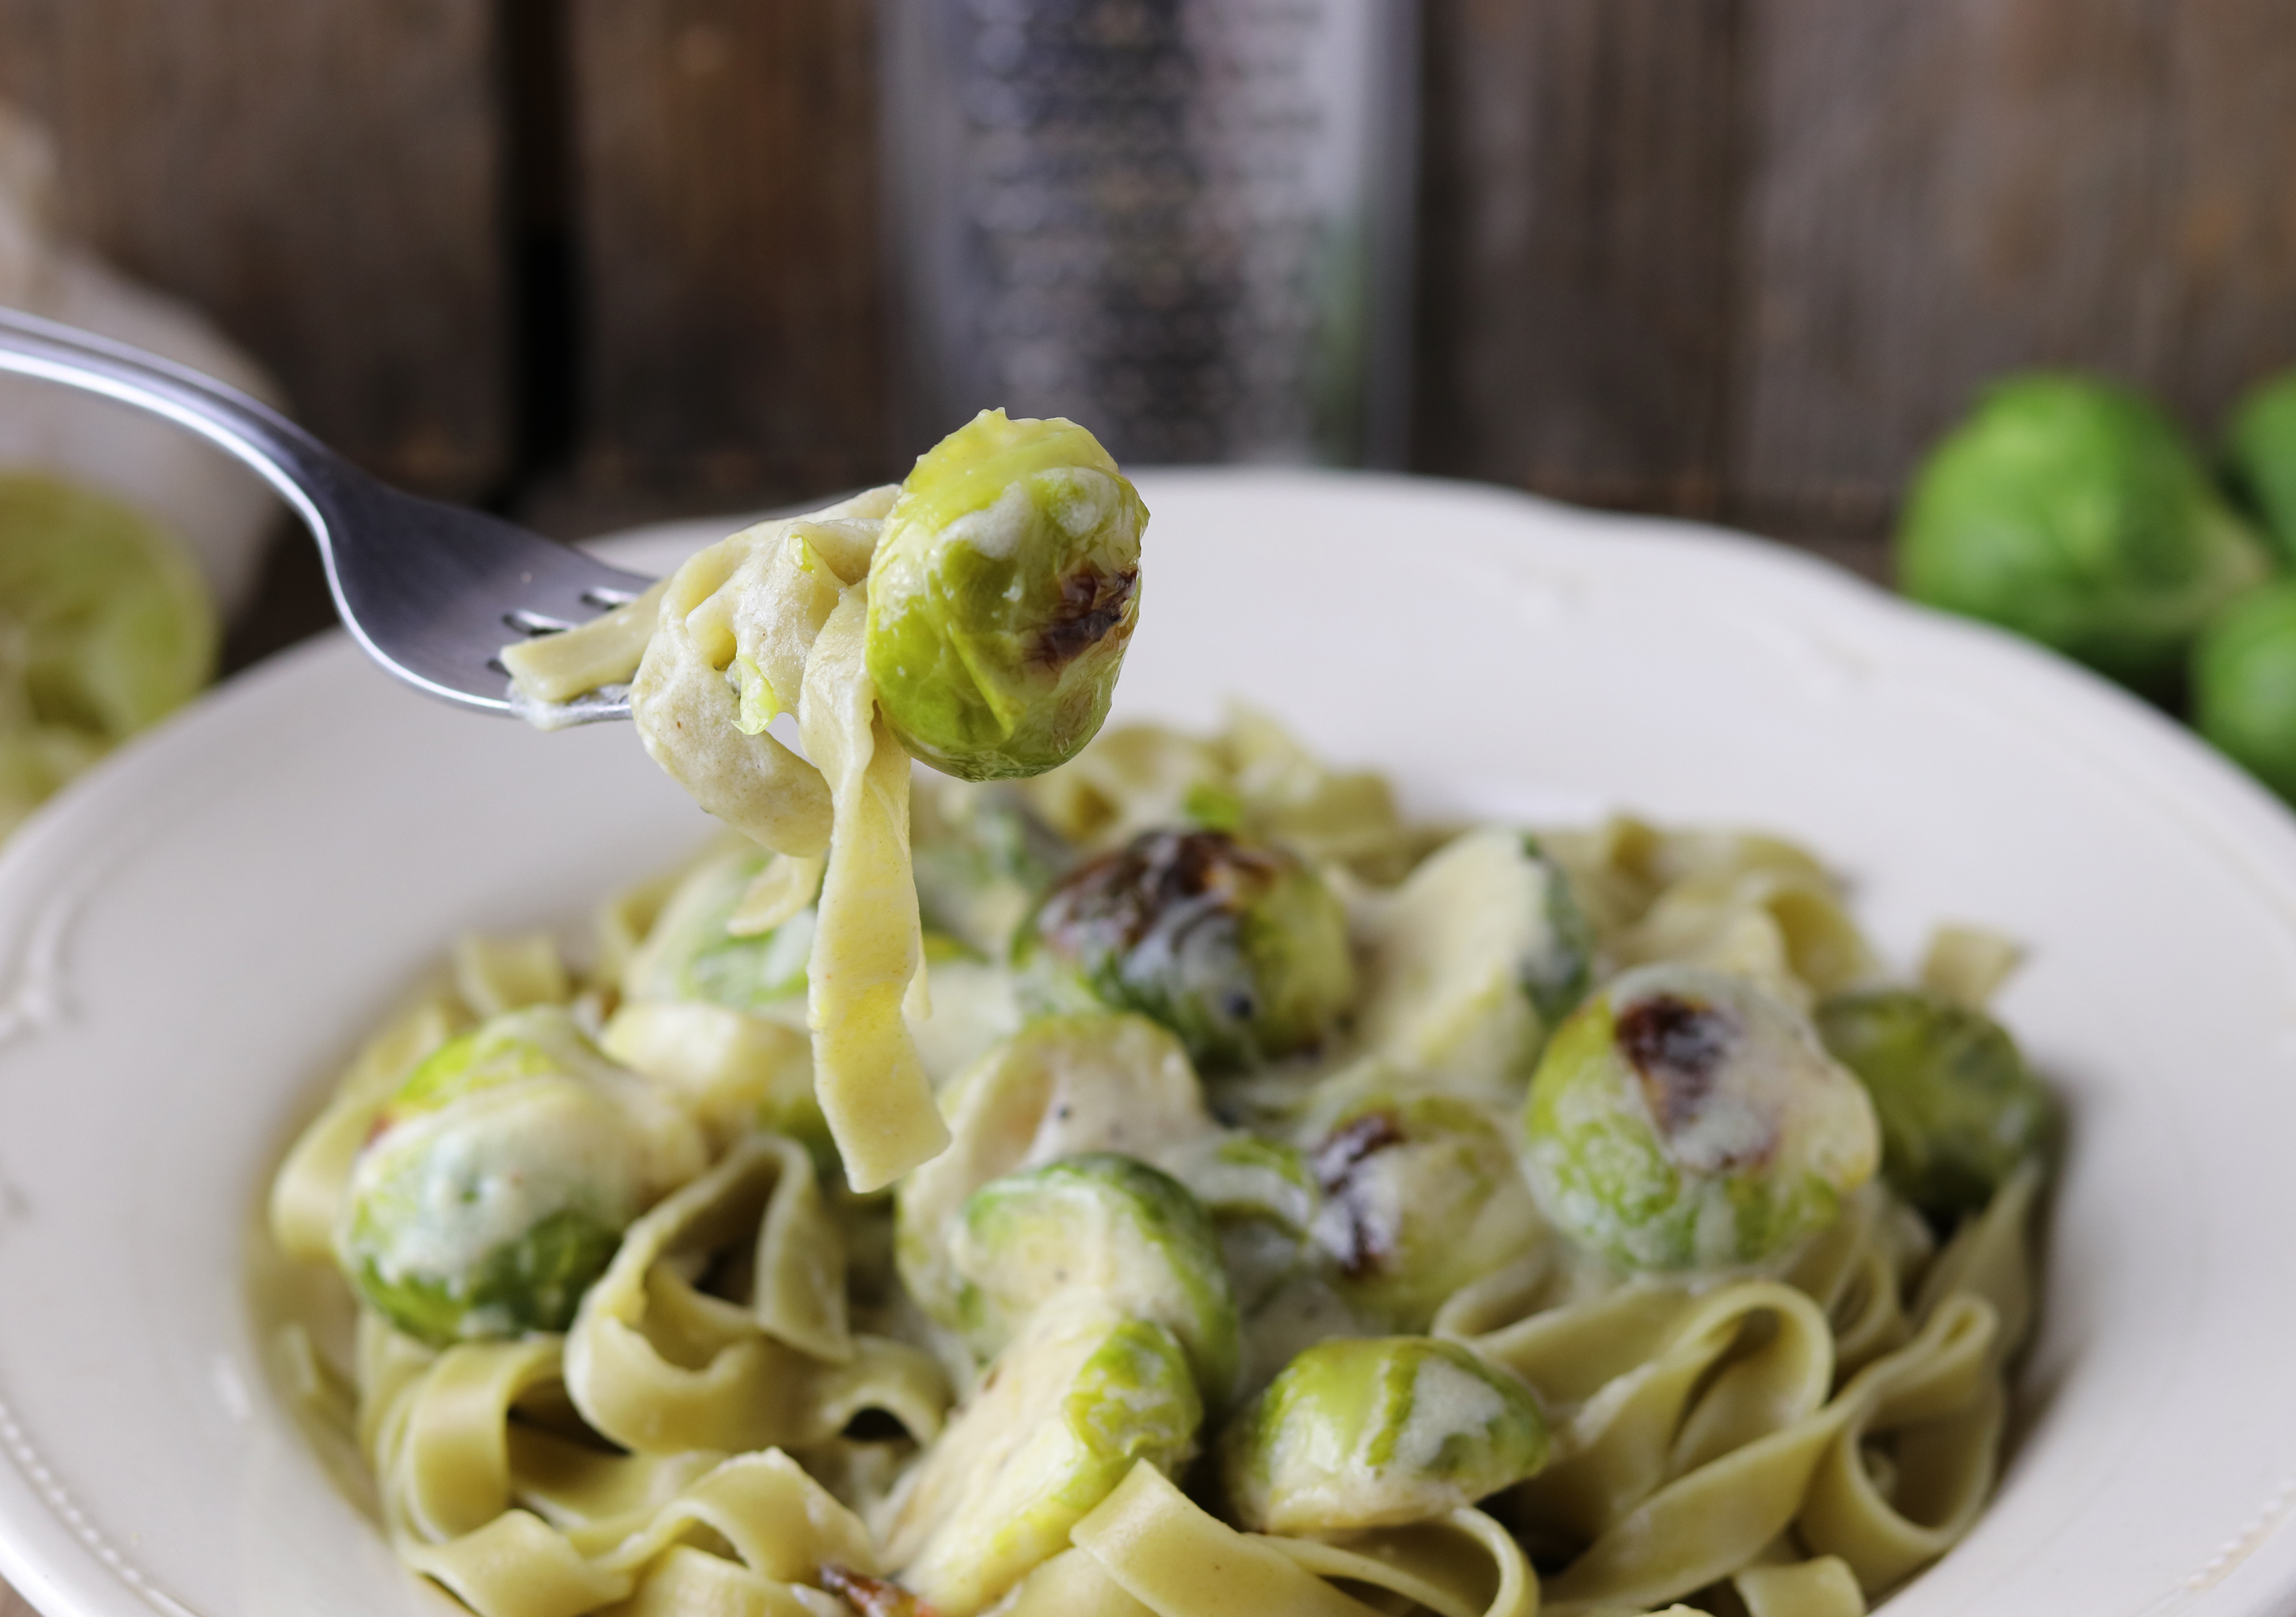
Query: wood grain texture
{"x": 320, "y": 175}
{"x": 725, "y": 193}
{"x": 1942, "y": 190}
{"x": 13, "y": 1605}
{"x": 1578, "y": 239}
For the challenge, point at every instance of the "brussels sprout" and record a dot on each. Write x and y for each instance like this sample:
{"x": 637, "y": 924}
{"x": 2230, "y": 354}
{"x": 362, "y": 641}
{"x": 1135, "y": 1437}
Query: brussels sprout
{"x": 1421, "y": 1195}
{"x": 105, "y": 627}
{"x": 1239, "y": 1176}
{"x": 688, "y": 954}
{"x": 981, "y": 857}
{"x": 1060, "y": 1085}
{"x": 1481, "y": 952}
{"x": 1070, "y": 1406}
{"x": 2245, "y": 684}
{"x": 1002, "y": 594}
{"x": 118, "y": 629}
{"x": 1236, "y": 946}
{"x": 1378, "y": 1432}
{"x": 499, "y": 1178}
{"x": 1104, "y": 1224}
{"x": 2073, "y": 512}
{"x": 2262, "y": 441}
{"x": 1959, "y": 1109}
{"x": 1682, "y": 1118}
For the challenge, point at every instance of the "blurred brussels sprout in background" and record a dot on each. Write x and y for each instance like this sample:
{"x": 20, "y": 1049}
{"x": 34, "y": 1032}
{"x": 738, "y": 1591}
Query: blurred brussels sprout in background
{"x": 1070, "y": 1406}
{"x": 105, "y": 629}
{"x": 1378, "y": 1432}
{"x": 500, "y": 1177}
{"x": 1682, "y": 1118}
{"x": 2245, "y": 684}
{"x": 1002, "y": 594}
{"x": 1478, "y": 953}
{"x": 981, "y": 857}
{"x": 1102, "y": 1223}
{"x": 1237, "y": 947}
{"x": 688, "y": 953}
{"x": 2074, "y": 511}
{"x": 1959, "y": 1110}
{"x": 1421, "y": 1195}
{"x": 1059, "y": 1087}
{"x": 2261, "y": 446}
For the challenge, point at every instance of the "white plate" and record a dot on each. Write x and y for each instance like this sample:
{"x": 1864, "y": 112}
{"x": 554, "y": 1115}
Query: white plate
{"x": 192, "y": 939}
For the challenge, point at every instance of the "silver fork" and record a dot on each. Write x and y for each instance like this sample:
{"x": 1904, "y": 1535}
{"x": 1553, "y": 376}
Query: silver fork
{"x": 427, "y": 590}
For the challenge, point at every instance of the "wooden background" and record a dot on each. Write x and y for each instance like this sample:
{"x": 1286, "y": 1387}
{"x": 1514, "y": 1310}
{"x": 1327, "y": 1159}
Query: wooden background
{"x": 591, "y": 260}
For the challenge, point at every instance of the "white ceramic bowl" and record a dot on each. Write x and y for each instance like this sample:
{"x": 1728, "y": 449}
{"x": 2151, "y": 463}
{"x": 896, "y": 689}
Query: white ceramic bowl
{"x": 192, "y": 938}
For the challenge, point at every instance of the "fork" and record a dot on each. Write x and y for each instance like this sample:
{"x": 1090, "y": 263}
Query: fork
{"x": 426, "y": 589}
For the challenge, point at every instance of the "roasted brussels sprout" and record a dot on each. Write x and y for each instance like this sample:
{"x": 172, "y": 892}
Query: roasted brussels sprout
{"x": 1421, "y": 1195}
{"x": 1682, "y": 1118}
{"x": 1061, "y": 1086}
{"x": 1236, "y": 946}
{"x": 2262, "y": 441}
{"x": 1072, "y": 1404}
{"x": 1481, "y": 952}
{"x": 499, "y": 1178}
{"x": 1104, "y": 1224}
{"x": 1002, "y": 594}
{"x": 2073, "y": 511}
{"x": 1959, "y": 1109}
{"x": 983, "y": 857}
{"x": 2245, "y": 684}
{"x": 688, "y": 953}
{"x": 1378, "y": 1432}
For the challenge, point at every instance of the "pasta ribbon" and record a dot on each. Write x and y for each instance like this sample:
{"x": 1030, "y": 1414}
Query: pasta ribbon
{"x": 868, "y": 945}
{"x": 660, "y": 1366}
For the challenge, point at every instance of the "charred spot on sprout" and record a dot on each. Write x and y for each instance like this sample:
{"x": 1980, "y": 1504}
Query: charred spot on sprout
{"x": 1361, "y": 1246}
{"x": 1095, "y": 609}
{"x": 870, "y": 1596}
{"x": 1237, "y": 947}
{"x": 1677, "y": 1048}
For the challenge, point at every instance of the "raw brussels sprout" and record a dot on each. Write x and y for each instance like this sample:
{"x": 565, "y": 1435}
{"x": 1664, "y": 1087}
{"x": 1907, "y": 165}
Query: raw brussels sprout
{"x": 499, "y": 1178}
{"x": 1959, "y": 1109}
{"x": 1236, "y": 946}
{"x": 1421, "y": 1195}
{"x": 2262, "y": 441}
{"x": 1002, "y": 594}
{"x": 1682, "y": 1118}
{"x": 1104, "y": 1224}
{"x": 1378, "y": 1432}
{"x": 1070, "y": 1406}
{"x": 105, "y": 629}
{"x": 983, "y": 856}
{"x": 1481, "y": 952}
{"x": 689, "y": 955}
{"x": 1060, "y": 1085}
{"x": 2245, "y": 684}
{"x": 2073, "y": 512}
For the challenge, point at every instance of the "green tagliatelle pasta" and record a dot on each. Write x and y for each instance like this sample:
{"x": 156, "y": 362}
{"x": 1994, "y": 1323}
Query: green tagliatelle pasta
{"x": 1146, "y": 1322}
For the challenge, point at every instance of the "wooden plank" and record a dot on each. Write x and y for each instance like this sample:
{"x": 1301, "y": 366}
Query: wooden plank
{"x": 1942, "y": 190}
{"x": 1577, "y": 214}
{"x": 726, "y": 163}
{"x": 322, "y": 176}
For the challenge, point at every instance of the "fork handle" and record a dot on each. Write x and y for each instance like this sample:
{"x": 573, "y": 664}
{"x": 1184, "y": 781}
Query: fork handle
{"x": 311, "y": 477}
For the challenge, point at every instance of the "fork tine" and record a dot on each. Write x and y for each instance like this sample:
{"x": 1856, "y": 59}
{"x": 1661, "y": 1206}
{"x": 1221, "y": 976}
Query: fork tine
{"x": 424, "y": 588}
